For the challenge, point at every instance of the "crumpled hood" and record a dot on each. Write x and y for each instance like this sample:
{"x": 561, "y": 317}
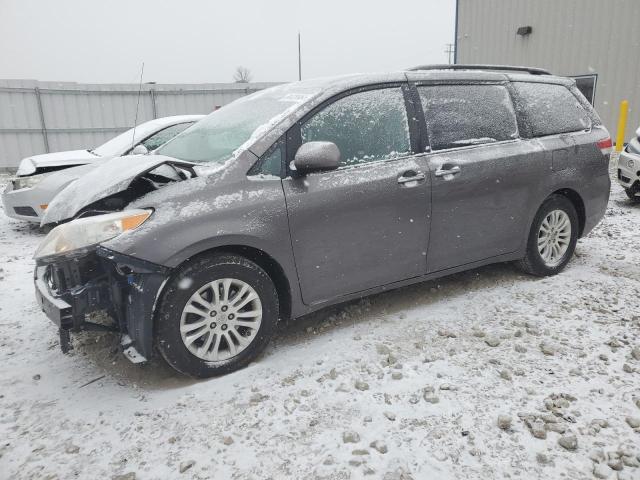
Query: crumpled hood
{"x": 57, "y": 159}
{"x": 105, "y": 179}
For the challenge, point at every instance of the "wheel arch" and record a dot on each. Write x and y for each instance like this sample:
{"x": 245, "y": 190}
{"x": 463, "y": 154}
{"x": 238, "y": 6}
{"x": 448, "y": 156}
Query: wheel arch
{"x": 265, "y": 261}
{"x": 578, "y": 203}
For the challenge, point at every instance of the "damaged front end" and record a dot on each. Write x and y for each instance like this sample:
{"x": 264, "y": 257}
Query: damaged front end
{"x": 76, "y": 278}
{"x": 113, "y": 184}
{"x": 72, "y": 288}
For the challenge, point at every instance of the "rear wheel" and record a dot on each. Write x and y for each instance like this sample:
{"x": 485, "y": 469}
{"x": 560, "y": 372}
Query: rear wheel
{"x": 216, "y": 316}
{"x": 632, "y": 193}
{"x": 552, "y": 239}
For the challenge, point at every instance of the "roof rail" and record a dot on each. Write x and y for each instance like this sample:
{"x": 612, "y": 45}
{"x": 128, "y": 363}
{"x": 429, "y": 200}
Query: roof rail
{"x": 458, "y": 66}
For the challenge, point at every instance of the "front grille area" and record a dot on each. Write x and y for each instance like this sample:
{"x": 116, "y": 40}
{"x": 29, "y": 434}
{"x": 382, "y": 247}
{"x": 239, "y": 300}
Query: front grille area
{"x": 75, "y": 273}
{"x": 25, "y": 211}
{"x": 53, "y": 278}
{"x": 622, "y": 177}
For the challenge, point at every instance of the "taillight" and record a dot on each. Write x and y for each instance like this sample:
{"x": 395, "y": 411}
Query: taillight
{"x": 605, "y": 146}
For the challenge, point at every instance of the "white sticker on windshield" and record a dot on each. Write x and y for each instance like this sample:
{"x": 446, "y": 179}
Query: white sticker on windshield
{"x": 295, "y": 97}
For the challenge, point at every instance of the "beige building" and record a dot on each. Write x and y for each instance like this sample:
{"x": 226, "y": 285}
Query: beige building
{"x": 599, "y": 39}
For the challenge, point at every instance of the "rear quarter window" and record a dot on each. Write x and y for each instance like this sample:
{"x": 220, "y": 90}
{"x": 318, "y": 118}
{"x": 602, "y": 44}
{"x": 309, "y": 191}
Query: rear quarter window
{"x": 549, "y": 109}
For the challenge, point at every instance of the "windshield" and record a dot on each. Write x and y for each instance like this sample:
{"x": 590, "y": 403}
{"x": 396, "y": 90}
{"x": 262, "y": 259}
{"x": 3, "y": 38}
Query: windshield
{"x": 116, "y": 146}
{"x": 221, "y": 133}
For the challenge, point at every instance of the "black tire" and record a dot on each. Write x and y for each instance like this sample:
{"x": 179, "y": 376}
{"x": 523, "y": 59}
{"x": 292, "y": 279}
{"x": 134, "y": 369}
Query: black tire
{"x": 533, "y": 262}
{"x": 631, "y": 193}
{"x": 191, "y": 278}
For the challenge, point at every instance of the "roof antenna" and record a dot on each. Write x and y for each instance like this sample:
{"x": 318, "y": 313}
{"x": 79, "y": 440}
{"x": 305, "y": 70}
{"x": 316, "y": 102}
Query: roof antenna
{"x": 135, "y": 123}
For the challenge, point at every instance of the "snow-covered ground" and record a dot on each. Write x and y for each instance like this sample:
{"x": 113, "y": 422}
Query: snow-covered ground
{"x": 408, "y": 384}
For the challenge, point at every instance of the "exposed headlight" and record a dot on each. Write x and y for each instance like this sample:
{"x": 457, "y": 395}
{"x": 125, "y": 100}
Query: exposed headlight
{"x": 87, "y": 232}
{"x": 630, "y": 163}
{"x": 27, "y": 182}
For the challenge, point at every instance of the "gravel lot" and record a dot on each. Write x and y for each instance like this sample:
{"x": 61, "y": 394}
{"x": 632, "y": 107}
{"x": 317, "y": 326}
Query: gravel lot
{"x": 485, "y": 374}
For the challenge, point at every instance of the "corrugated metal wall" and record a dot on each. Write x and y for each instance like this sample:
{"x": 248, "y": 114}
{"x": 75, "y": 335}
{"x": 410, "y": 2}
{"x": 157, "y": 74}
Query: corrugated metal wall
{"x": 570, "y": 37}
{"x": 36, "y": 117}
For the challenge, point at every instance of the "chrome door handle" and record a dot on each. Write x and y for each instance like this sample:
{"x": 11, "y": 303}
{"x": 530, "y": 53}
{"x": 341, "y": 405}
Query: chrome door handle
{"x": 450, "y": 171}
{"x": 415, "y": 178}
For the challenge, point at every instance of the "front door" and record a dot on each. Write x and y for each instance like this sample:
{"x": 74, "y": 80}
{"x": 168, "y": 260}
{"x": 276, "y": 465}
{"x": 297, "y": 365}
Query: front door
{"x": 365, "y": 224}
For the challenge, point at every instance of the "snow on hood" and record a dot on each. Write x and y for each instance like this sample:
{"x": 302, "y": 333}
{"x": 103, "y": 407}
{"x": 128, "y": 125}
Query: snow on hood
{"x": 55, "y": 181}
{"x": 72, "y": 157}
{"x": 106, "y": 179}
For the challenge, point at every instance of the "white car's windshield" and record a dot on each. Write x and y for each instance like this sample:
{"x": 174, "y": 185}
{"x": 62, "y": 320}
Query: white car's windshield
{"x": 116, "y": 146}
{"x": 125, "y": 141}
{"x": 219, "y": 135}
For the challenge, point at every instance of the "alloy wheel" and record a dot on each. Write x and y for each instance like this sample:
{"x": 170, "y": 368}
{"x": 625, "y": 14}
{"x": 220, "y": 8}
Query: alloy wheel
{"x": 221, "y": 319}
{"x": 554, "y": 237}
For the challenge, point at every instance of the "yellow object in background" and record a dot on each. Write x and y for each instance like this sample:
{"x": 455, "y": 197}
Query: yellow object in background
{"x": 622, "y": 123}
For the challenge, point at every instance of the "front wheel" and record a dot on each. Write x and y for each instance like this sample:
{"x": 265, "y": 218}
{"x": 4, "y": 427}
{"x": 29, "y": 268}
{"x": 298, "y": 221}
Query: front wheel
{"x": 552, "y": 239}
{"x": 216, "y": 315}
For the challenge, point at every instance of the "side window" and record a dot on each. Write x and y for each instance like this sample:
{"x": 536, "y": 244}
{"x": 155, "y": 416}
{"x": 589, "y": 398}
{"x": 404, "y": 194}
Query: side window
{"x": 270, "y": 164}
{"x": 461, "y": 115}
{"x": 163, "y": 136}
{"x": 549, "y": 109}
{"x": 366, "y": 126}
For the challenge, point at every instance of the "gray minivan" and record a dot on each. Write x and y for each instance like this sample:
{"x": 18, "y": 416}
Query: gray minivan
{"x": 309, "y": 194}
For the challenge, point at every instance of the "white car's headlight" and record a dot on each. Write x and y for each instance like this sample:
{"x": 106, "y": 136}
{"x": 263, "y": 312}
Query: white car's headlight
{"x": 87, "y": 232}
{"x": 27, "y": 182}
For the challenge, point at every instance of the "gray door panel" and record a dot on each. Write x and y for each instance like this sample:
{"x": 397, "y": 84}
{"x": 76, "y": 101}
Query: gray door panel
{"x": 482, "y": 210}
{"x": 358, "y": 228}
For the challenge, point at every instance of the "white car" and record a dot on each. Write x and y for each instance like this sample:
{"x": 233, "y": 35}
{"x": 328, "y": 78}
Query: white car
{"x": 629, "y": 168}
{"x": 41, "y": 177}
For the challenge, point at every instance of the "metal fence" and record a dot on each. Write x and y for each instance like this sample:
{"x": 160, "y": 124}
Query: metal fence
{"x": 41, "y": 117}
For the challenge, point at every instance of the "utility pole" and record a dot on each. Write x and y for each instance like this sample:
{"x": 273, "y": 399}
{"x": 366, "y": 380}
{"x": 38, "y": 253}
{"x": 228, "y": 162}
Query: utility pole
{"x": 299, "y": 59}
{"x": 449, "y": 50}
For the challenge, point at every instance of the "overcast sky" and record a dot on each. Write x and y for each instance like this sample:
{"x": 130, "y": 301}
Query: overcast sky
{"x": 194, "y": 41}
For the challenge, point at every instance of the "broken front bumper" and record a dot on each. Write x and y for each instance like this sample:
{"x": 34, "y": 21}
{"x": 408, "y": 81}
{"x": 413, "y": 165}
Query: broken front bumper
{"x": 71, "y": 288}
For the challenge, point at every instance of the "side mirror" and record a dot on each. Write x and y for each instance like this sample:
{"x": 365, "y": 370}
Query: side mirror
{"x": 316, "y": 157}
{"x": 139, "y": 149}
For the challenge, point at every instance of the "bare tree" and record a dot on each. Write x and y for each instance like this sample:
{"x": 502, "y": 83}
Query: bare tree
{"x": 242, "y": 75}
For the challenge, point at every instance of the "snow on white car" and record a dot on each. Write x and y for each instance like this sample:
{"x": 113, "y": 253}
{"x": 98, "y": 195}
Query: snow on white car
{"x": 629, "y": 168}
{"x": 41, "y": 177}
